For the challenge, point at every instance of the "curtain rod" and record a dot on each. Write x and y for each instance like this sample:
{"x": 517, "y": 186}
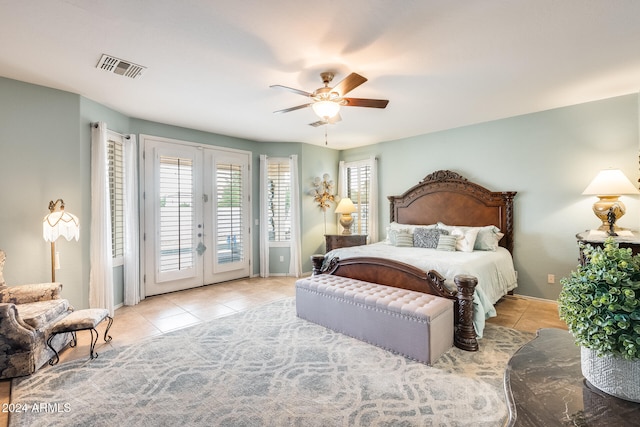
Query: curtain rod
{"x": 95, "y": 125}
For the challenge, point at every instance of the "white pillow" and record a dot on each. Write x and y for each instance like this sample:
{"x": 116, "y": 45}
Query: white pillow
{"x": 392, "y": 236}
{"x": 487, "y": 237}
{"x": 466, "y": 238}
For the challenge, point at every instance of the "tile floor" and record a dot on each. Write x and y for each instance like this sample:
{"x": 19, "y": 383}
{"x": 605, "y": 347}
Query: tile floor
{"x": 162, "y": 313}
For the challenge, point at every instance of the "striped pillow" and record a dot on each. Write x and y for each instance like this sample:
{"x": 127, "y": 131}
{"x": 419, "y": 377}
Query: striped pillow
{"x": 404, "y": 239}
{"x": 447, "y": 243}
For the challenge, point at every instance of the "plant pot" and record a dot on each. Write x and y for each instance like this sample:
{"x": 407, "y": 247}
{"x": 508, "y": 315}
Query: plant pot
{"x": 613, "y": 375}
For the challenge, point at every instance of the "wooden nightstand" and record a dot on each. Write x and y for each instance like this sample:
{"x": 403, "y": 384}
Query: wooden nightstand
{"x": 626, "y": 239}
{"x": 334, "y": 241}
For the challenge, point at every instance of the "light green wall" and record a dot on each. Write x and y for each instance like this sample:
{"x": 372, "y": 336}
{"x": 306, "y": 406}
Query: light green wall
{"x": 548, "y": 158}
{"x": 316, "y": 161}
{"x": 41, "y": 159}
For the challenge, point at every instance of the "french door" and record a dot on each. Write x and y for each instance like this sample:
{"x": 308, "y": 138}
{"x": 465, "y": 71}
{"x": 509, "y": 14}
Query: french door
{"x": 196, "y": 215}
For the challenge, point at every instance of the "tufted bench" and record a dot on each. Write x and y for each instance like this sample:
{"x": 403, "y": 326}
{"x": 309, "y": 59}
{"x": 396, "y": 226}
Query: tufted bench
{"x": 414, "y": 324}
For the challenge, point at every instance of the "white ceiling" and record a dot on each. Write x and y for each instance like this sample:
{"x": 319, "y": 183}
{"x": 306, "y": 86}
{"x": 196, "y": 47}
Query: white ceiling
{"x": 441, "y": 63}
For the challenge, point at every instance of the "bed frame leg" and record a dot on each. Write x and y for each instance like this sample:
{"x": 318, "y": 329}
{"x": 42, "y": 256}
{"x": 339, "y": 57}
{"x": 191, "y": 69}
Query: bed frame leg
{"x": 465, "y": 334}
{"x": 316, "y": 261}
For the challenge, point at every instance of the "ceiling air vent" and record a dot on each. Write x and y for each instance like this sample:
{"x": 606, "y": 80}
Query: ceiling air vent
{"x": 120, "y": 66}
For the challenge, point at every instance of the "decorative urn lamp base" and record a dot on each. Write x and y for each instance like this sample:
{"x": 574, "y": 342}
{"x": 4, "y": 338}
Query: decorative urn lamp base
{"x": 612, "y": 375}
{"x": 345, "y": 221}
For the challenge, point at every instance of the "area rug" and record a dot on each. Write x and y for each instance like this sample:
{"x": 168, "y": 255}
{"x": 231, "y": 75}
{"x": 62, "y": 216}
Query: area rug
{"x": 266, "y": 367}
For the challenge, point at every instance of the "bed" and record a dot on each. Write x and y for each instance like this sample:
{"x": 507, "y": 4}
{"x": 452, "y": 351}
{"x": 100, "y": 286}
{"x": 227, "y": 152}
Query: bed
{"x": 442, "y": 199}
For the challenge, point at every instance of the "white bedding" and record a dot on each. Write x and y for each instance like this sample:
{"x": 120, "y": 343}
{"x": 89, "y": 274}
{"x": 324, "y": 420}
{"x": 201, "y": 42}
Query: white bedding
{"x": 494, "y": 270}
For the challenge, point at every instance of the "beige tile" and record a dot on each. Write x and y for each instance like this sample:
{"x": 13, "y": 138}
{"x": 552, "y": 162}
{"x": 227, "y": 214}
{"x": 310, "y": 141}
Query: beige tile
{"x": 177, "y": 321}
{"x": 508, "y": 319}
{"x": 240, "y": 304}
{"x": 213, "y": 311}
{"x": 157, "y": 308}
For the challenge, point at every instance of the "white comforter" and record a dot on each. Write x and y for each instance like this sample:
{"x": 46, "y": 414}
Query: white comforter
{"x": 494, "y": 270}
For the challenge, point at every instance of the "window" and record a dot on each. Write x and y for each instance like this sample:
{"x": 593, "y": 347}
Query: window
{"x": 176, "y": 214}
{"x": 358, "y": 189}
{"x": 279, "y": 200}
{"x": 230, "y": 213}
{"x": 116, "y": 189}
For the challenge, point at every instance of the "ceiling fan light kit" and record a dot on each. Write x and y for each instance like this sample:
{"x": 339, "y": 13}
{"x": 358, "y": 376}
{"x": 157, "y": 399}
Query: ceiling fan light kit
{"x": 325, "y": 109}
{"x": 326, "y": 101}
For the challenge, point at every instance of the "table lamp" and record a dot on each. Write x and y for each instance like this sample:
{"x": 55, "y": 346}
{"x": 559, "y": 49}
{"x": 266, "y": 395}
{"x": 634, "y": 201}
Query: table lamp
{"x": 346, "y": 208}
{"x": 608, "y": 185}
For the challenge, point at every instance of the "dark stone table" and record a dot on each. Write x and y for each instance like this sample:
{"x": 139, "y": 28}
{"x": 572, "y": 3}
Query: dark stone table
{"x": 545, "y": 387}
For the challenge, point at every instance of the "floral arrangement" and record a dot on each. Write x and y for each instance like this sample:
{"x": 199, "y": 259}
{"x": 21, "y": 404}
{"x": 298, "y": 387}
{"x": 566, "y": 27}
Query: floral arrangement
{"x": 322, "y": 191}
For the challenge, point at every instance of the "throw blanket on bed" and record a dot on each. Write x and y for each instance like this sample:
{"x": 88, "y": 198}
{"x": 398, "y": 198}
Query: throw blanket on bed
{"x": 494, "y": 270}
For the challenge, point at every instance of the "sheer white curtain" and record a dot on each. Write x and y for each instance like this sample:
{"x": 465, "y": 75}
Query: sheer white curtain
{"x": 132, "y": 290}
{"x": 373, "y": 201}
{"x": 264, "y": 229}
{"x": 372, "y": 163}
{"x": 101, "y": 270}
{"x": 295, "y": 250}
{"x": 342, "y": 187}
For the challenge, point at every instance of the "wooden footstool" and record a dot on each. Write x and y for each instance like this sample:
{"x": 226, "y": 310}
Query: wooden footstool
{"x": 81, "y": 320}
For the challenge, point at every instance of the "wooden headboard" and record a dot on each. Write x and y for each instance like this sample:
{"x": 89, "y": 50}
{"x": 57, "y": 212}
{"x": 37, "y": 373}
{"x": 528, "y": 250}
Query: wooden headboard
{"x": 450, "y": 198}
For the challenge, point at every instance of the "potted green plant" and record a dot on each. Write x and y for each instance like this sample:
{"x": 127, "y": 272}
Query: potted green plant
{"x": 600, "y": 302}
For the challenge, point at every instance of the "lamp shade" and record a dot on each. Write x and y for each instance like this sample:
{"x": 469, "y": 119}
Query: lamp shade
{"x": 610, "y": 182}
{"x": 325, "y": 109}
{"x": 345, "y": 206}
{"x": 60, "y": 223}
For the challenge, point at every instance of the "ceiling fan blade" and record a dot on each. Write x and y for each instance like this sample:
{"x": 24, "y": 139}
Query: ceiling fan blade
{"x": 299, "y": 107}
{"x": 349, "y": 83}
{"x": 298, "y": 91}
{"x": 332, "y": 121}
{"x": 361, "y": 102}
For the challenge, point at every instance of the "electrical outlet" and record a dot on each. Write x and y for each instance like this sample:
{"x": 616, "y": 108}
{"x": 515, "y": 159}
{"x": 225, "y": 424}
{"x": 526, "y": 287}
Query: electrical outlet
{"x": 281, "y": 258}
{"x": 551, "y": 279}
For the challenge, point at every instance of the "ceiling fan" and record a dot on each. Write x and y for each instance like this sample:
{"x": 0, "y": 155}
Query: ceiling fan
{"x": 326, "y": 101}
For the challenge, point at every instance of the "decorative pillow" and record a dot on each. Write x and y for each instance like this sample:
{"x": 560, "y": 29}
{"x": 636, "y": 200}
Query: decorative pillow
{"x": 392, "y": 236}
{"x": 394, "y": 226}
{"x": 488, "y": 238}
{"x": 427, "y": 237}
{"x": 447, "y": 243}
{"x": 466, "y": 238}
{"x": 404, "y": 239}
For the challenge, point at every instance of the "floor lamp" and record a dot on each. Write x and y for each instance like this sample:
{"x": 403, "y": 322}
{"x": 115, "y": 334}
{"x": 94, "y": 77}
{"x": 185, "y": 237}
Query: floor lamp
{"x": 58, "y": 223}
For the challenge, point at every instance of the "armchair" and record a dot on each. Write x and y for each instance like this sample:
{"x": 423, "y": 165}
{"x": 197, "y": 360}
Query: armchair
{"x": 27, "y": 313}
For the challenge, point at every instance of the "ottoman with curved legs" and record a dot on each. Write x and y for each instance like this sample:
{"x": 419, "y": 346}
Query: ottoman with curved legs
{"x": 81, "y": 320}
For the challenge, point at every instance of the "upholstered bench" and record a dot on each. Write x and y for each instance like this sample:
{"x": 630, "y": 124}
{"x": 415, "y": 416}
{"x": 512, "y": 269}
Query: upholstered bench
{"x": 79, "y": 321}
{"x": 413, "y": 324}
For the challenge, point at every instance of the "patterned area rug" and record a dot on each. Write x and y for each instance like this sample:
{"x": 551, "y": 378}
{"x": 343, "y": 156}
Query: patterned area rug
{"x": 266, "y": 367}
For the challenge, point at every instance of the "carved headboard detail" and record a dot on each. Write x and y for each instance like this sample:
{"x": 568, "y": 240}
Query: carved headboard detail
{"x": 450, "y": 198}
